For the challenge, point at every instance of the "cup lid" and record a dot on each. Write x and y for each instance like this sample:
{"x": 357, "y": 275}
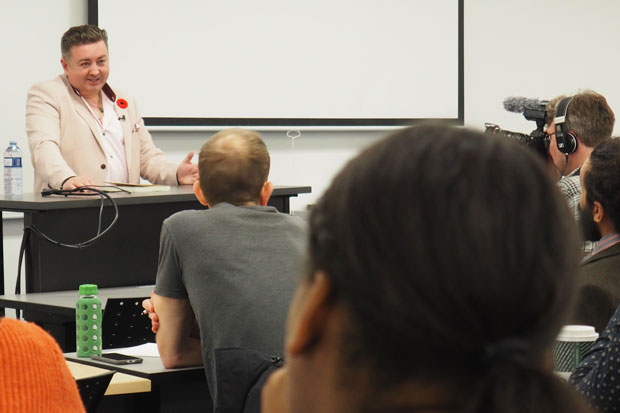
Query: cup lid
{"x": 88, "y": 289}
{"x": 577, "y": 333}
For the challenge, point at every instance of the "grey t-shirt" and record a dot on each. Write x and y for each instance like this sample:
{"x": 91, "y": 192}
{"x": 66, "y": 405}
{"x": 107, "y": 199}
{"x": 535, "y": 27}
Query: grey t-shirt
{"x": 239, "y": 267}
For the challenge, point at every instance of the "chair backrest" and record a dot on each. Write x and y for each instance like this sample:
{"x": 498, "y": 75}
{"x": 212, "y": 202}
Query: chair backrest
{"x": 93, "y": 388}
{"x": 124, "y": 325}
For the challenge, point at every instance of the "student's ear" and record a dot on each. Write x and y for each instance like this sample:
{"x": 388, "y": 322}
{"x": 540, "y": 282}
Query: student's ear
{"x": 63, "y": 63}
{"x": 265, "y": 193}
{"x": 199, "y": 195}
{"x": 598, "y": 212}
{"x": 309, "y": 313}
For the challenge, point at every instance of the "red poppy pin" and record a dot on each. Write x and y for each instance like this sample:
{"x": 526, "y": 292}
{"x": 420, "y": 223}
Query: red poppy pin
{"x": 122, "y": 103}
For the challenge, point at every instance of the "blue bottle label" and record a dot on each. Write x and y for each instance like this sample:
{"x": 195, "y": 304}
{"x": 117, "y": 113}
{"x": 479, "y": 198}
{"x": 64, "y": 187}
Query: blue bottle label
{"x": 12, "y": 162}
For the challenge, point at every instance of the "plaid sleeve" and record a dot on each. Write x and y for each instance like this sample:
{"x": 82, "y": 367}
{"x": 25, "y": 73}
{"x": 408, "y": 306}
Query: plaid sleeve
{"x": 570, "y": 187}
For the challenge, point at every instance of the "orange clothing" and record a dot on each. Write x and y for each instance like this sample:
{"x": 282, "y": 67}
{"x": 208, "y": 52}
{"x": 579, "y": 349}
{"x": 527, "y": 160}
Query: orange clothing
{"x": 34, "y": 376}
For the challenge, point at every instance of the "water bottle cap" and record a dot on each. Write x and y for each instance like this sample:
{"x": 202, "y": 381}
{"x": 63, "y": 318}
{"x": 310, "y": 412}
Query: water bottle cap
{"x": 13, "y": 143}
{"x": 88, "y": 289}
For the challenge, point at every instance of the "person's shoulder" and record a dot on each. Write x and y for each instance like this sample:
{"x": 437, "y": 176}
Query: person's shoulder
{"x": 270, "y": 211}
{"x": 294, "y": 221}
{"x": 569, "y": 184}
{"x": 57, "y": 83}
{"x": 611, "y": 256}
{"x": 294, "y": 227}
{"x": 184, "y": 217}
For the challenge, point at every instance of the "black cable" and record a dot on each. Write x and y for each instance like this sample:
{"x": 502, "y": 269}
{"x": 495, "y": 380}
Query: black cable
{"x": 86, "y": 191}
{"x": 18, "y": 283}
{"x": 565, "y": 166}
{"x": 82, "y": 191}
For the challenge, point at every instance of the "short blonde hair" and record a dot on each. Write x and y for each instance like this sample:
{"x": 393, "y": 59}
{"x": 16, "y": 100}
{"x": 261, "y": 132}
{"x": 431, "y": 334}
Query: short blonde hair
{"x": 233, "y": 167}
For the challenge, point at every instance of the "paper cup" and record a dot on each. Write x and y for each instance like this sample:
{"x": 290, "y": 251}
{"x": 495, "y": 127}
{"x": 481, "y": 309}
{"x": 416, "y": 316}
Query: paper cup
{"x": 571, "y": 345}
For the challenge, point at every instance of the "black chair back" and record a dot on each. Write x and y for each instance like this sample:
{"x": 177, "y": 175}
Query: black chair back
{"x": 124, "y": 325}
{"x": 93, "y": 388}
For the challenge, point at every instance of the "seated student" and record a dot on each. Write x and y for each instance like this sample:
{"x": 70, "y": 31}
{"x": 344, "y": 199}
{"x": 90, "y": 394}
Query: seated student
{"x": 34, "y": 376}
{"x": 599, "y": 275}
{"x": 598, "y": 375}
{"x": 439, "y": 274}
{"x": 233, "y": 268}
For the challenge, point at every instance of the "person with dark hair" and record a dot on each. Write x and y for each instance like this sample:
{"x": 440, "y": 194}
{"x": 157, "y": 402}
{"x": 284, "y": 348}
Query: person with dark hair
{"x": 599, "y": 276}
{"x": 439, "y": 274}
{"x": 83, "y": 132}
{"x": 229, "y": 271}
{"x": 588, "y": 120}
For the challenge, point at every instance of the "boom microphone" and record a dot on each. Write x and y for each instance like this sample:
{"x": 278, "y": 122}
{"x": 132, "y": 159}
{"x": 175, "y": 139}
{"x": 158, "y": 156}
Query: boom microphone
{"x": 520, "y": 104}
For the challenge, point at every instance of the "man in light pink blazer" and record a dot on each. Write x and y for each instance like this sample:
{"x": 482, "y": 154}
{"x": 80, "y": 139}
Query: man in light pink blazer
{"x": 82, "y": 132}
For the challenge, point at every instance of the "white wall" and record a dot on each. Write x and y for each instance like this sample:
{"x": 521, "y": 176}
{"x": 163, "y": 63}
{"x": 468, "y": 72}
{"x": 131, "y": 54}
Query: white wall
{"x": 528, "y": 48}
{"x": 538, "y": 49}
{"x": 30, "y": 34}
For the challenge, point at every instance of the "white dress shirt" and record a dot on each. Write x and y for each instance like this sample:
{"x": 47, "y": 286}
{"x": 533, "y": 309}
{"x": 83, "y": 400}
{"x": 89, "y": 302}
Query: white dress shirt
{"x": 111, "y": 134}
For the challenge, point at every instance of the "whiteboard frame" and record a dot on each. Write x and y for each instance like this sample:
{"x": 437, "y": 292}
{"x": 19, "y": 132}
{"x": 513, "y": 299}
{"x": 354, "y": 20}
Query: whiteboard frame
{"x": 201, "y": 124}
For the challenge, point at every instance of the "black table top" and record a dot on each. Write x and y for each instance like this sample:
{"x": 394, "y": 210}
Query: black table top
{"x": 151, "y": 368}
{"x": 62, "y": 303}
{"x": 29, "y": 202}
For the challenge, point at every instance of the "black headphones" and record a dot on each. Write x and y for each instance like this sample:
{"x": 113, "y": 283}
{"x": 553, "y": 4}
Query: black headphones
{"x": 565, "y": 139}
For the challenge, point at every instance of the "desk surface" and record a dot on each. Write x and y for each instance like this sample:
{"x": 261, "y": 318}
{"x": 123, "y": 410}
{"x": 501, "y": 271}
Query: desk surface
{"x": 29, "y": 202}
{"x": 62, "y": 303}
{"x": 121, "y": 383}
{"x": 151, "y": 368}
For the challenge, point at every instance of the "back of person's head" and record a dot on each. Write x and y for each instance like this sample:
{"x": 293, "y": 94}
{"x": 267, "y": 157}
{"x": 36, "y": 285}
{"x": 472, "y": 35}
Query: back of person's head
{"x": 233, "y": 166}
{"x": 453, "y": 255}
{"x": 78, "y": 35}
{"x": 601, "y": 179}
{"x": 588, "y": 116}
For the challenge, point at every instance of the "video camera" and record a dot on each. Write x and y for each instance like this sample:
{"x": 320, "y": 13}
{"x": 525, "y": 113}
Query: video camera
{"x": 532, "y": 109}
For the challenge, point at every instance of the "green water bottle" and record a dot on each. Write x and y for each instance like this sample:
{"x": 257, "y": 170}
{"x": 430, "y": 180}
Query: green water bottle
{"x": 88, "y": 322}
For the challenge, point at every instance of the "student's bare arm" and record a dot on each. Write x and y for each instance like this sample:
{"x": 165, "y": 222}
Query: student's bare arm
{"x": 176, "y": 318}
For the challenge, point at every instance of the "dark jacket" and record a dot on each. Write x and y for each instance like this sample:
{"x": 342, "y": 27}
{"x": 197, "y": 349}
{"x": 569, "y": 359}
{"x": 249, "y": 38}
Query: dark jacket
{"x": 598, "y": 288}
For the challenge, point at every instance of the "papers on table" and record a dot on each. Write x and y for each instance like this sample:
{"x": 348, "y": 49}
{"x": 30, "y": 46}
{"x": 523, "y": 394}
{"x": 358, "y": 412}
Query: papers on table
{"x": 140, "y": 187}
{"x": 143, "y": 350}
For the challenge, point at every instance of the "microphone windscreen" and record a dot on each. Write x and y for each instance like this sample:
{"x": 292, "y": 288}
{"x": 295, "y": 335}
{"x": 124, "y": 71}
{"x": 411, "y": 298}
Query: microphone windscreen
{"x": 519, "y": 104}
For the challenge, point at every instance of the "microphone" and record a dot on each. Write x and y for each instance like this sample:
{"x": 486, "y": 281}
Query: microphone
{"x": 520, "y": 104}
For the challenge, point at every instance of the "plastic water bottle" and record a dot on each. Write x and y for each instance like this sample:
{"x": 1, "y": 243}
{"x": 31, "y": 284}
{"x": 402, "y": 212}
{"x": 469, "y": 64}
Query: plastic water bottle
{"x": 13, "y": 170}
{"x": 88, "y": 322}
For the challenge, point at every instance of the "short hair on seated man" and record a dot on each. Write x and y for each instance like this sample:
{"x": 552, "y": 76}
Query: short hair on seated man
{"x": 234, "y": 166}
{"x": 440, "y": 272}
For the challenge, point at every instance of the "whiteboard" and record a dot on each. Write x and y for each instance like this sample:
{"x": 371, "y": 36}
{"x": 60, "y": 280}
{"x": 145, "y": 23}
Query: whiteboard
{"x": 287, "y": 62}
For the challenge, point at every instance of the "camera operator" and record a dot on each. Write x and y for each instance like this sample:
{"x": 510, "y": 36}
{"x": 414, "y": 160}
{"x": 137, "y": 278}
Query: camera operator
{"x": 588, "y": 120}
